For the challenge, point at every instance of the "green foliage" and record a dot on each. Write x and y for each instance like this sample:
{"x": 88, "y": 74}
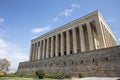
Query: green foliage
{"x": 55, "y": 76}
{"x": 11, "y": 75}
{"x": 29, "y": 76}
{"x": 21, "y": 75}
{"x": 2, "y": 74}
{"x": 81, "y": 75}
{"x": 40, "y": 73}
{"x": 68, "y": 76}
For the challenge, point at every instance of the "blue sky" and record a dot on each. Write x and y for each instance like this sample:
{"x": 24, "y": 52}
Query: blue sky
{"x": 22, "y": 20}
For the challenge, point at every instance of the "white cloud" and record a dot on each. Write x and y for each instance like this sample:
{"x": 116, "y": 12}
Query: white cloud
{"x": 1, "y": 21}
{"x": 12, "y": 53}
{"x": 75, "y": 5}
{"x": 40, "y": 29}
{"x": 67, "y": 12}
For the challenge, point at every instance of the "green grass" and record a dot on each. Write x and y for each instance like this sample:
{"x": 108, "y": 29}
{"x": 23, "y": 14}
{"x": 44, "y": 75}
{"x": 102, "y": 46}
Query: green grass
{"x": 15, "y": 78}
{"x": 19, "y": 78}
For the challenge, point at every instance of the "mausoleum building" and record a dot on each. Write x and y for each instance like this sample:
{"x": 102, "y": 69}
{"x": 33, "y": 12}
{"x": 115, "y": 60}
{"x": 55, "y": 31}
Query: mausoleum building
{"x": 86, "y": 45}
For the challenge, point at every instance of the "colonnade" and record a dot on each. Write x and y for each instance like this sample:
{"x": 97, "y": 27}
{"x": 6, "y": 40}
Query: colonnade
{"x": 84, "y": 37}
{"x": 109, "y": 40}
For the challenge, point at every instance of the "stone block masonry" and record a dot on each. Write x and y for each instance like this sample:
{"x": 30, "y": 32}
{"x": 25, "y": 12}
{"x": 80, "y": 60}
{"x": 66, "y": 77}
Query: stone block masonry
{"x": 102, "y": 62}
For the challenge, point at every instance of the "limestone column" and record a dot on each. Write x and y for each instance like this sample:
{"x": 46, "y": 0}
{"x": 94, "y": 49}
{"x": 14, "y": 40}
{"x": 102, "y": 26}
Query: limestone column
{"x": 90, "y": 37}
{"x": 30, "y": 56}
{"x": 47, "y": 50}
{"x": 36, "y": 51}
{"x": 43, "y": 52}
{"x": 82, "y": 41}
{"x": 68, "y": 42}
{"x": 100, "y": 33}
{"x": 51, "y": 46}
{"x": 40, "y": 50}
{"x": 74, "y": 41}
{"x": 62, "y": 44}
{"x": 56, "y": 46}
{"x": 103, "y": 26}
{"x": 33, "y": 51}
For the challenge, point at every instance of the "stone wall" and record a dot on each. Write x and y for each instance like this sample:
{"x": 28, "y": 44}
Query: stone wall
{"x": 102, "y": 62}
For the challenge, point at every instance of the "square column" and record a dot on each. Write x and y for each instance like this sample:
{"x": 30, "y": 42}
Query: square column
{"x": 62, "y": 44}
{"x": 68, "y": 42}
{"x": 40, "y": 52}
{"x": 51, "y": 46}
{"x": 41, "y": 48}
{"x": 33, "y": 51}
{"x": 43, "y": 52}
{"x": 56, "y": 46}
{"x": 36, "y": 51}
{"x": 47, "y": 50}
{"x": 30, "y": 56}
{"x": 82, "y": 41}
{"x": 74, "y": 41}
{"x": 90, "y": 37}
{"x": 100, "y": 34}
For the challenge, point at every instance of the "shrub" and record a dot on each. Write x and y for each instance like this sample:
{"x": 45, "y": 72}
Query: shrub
{"x": 81, "y": 75}
{"x": 55, "y": 76}
{"x": 2, "y": 74}
{"x": 59, "y": 76}
{"x": 40, "y": 73}
{"x": 20, "y": 75}
{"x": 50, "y": 76}
{"x": 68, "y": 76}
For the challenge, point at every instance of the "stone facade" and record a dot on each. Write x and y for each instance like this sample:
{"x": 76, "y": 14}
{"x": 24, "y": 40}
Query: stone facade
{"x": 102, "y": 62}
{"x": 79, "y": 46}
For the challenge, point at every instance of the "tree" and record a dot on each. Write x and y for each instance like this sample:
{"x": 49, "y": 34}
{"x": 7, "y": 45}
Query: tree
{"x": 40, "y": 73}
{"x": 4, "y": 65}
